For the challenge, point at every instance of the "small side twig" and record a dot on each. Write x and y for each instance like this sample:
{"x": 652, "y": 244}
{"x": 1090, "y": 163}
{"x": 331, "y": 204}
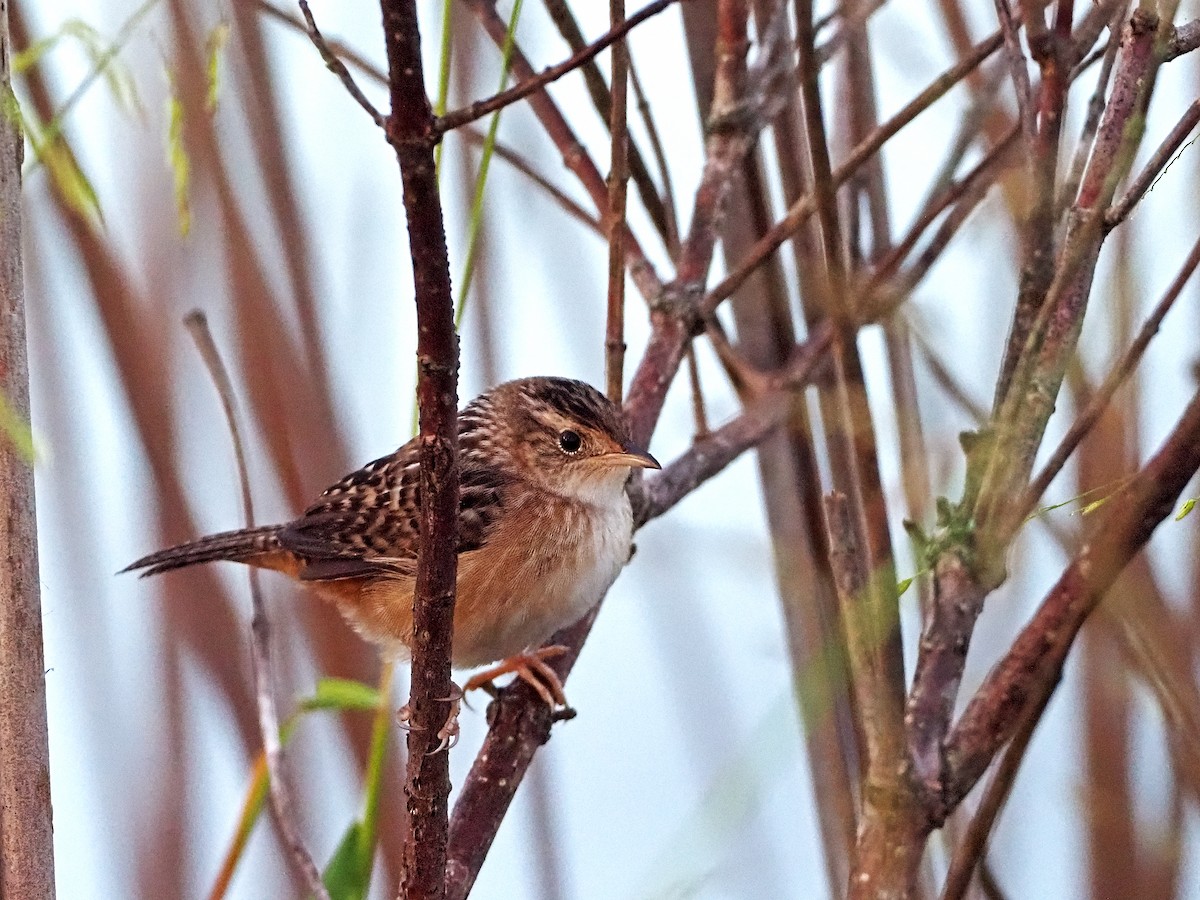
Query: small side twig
{"x": 336, "y": 66}
{"x": 260, "y": 627}
{"x": 1118, "y": 375}
{"x": 1155, "y": 166}
{"x": 480, "y": 108}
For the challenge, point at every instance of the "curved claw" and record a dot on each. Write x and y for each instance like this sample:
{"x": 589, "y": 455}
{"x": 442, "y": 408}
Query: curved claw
{"x": 530, "y": 668}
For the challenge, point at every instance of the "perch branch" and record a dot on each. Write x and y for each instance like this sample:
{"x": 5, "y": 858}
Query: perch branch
{"x": 412, "y": 132}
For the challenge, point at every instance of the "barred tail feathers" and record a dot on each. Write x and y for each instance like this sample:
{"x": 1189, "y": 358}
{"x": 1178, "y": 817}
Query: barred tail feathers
{"x": 236, "y": 546}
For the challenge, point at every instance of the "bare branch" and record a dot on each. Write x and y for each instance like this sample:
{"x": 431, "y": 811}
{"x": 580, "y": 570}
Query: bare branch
{"x": 412, "y": 132}
{"x": 1116, "y": 377}
{"x": 26, "y": 832}
{"x": 1032, "y": 667}
{"x": 336, "y": 66}
{"x": 480, "y": 108}
{"x": 1155, "y": 166}
{"x": 260, "y": 628}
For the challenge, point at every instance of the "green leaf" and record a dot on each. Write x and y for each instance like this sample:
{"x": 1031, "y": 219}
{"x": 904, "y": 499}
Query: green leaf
{"x": 17, "y": 430}
{"x": 904, "y": 585}
{"x": 104, "y": 57}
{"x": 177, "y": 158}
{"x": 213, "y": 46}
{"x": 1188, "y": 506}
{"x": 1094, "y": 505}
{"x": 342, "y": 693}
{"x": 52, "y": 150}
{"x": 344, "y": 877}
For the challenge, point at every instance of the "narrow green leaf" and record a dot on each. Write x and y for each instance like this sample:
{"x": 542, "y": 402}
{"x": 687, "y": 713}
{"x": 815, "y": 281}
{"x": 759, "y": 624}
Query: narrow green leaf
{"x": 177, "y": 158}
{"x": 105, "y": 60}
{"x": 52, "y": 151}
{"x": 344, "y": 876}
{"x": 17, "y": 430}
{"x": 1094, "y": 505}
{"x": 213, "y": 47}
{"x": 342, "y": 693}
{"x": 1188, "y": 506}
{"x": 380, "y": 729}
{"x": 904, "y": 585}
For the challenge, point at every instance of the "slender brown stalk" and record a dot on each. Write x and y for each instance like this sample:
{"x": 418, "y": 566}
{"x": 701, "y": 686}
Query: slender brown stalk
{"x": 337, "y": 67}
{"x": 618, "y": 181}
{"x": 260, "y": 628}
{"x": 598, "y": 90}
{"x": 575, "y": 157}
{"x": 1117, "y": 376}
{"x": 412, "y": 132}
{"x": 480, "y": 108}
{"x": 26, "y": 832}
{"x": 1154, "y": 167}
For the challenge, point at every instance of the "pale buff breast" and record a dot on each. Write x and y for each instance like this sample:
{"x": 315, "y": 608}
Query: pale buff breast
{"x": 545, "y": 566}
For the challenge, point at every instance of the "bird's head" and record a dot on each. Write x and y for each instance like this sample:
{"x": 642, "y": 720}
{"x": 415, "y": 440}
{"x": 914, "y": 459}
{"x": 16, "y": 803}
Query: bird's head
{"x": 562, "y": 435}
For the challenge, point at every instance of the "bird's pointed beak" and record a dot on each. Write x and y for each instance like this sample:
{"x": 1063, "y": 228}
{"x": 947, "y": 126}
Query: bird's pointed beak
{"x": 632, "y": 456}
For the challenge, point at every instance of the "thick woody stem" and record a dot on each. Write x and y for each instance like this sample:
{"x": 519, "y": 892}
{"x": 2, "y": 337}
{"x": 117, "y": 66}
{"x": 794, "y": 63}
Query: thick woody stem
{"x": 1037, "y": 376}
{"x": 26, "y": 837}
{"x": 1032, "y": 667}
{"x": 411, "y": 131}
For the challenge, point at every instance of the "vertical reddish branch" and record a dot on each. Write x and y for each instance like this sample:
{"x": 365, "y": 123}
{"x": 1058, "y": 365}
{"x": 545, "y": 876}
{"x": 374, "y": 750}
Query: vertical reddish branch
{"x": 411, "y": 131}
{"x": 26, "y": 839}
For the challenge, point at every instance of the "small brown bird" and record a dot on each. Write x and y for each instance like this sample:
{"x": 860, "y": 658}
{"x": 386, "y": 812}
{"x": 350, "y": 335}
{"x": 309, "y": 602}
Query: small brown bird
{"x": 544, "y": 528}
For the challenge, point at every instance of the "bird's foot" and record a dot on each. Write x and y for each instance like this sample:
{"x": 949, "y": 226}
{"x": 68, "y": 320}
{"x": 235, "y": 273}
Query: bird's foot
{"x": 530, "y": 668}
{"x": 448, "y": 733}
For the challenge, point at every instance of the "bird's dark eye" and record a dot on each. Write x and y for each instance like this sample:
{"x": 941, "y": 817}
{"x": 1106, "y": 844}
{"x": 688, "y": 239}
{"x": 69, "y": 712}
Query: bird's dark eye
{"x": 570, "y": 441}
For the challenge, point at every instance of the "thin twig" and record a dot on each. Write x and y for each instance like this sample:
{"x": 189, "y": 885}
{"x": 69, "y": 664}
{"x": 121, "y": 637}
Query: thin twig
{"x": 1155, "y": 166}
{"x": 336, "y": 66}
{"x": 1010, "y": 28}
{"x": 1095, "y": 110}
{"x": 660, "y": 161}
{"x": 1116, "y": 377}
{"x": 568, "y": 27}
{"x": 575, "y": 156}
{"x": 480, "y": 108}
{"x": 260, "y": 626}
{"x": 804, "y": 207}
{"x": 526, "y": 168}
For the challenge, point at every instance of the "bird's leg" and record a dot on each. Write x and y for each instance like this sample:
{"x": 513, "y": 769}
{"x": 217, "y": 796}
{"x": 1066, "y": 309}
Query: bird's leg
{"x": 530, "y": 668}
{"x": 448, "y": 733}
